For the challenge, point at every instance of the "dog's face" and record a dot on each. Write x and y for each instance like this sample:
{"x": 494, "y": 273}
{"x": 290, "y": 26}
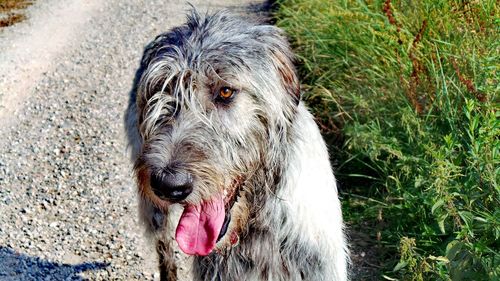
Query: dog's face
{"x": 215, "y": 99}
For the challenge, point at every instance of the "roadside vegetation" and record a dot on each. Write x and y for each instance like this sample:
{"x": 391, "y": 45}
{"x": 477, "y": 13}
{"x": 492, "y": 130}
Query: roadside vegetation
{"x": 10, "y": 11}
{"x": 407, "y": 94}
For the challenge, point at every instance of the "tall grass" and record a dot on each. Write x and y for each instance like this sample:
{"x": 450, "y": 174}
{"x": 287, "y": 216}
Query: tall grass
{"x": 407, "y": 93}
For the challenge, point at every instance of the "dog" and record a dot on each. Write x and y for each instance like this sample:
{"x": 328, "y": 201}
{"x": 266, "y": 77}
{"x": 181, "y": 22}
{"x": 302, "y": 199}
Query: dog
{"x": 217, "y": 128}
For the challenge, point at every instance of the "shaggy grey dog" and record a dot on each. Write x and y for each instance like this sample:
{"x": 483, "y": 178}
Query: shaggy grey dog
{"x": 217, "y": 129}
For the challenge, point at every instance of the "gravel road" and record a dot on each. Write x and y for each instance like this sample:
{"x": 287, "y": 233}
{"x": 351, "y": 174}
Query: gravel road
{"x": 67, "y": 198}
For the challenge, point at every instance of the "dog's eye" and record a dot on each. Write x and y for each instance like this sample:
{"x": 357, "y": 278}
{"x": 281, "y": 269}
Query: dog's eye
{"x": 225, "y": 93}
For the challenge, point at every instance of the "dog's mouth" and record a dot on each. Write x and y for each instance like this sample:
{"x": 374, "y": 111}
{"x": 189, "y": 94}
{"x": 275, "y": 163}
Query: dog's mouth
{"x": 202, "y": 226}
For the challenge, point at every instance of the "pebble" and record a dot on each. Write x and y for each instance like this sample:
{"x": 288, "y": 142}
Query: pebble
{"x": 68, "y": 206}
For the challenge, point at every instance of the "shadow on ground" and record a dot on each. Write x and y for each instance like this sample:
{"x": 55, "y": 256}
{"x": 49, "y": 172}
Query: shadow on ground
{"x": 17, "y": 266}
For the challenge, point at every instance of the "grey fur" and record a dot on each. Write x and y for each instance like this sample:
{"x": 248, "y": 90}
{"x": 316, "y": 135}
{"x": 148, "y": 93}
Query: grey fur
{"x": 173, "y": 117}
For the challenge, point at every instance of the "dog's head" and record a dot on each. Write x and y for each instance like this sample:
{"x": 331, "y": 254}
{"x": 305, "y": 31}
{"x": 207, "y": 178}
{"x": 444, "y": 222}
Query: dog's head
{"x": 215, "y": 99}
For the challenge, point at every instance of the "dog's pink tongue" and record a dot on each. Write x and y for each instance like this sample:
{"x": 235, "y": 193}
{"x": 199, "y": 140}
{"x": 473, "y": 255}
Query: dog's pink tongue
{"x": 199, "y": 227}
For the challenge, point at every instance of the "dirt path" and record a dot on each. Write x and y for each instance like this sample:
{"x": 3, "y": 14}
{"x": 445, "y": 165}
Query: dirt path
{"x": 31, "y": 49}
{"x": 67, "y": 199}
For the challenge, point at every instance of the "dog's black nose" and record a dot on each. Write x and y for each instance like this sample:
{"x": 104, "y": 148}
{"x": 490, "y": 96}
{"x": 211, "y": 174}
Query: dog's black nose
{"x": 172, "y": 184}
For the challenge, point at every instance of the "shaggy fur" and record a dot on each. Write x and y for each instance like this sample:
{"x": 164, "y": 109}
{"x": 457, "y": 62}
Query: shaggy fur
{"x": 263, "y": 145}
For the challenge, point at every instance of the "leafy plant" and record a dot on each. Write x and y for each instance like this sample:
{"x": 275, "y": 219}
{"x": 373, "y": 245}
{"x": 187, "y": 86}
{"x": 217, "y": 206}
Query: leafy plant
{"x": 406, "y": 93}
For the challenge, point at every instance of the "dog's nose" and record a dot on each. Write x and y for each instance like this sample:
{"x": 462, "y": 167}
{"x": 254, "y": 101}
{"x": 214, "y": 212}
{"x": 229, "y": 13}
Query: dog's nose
{"x": 172, "y": 184}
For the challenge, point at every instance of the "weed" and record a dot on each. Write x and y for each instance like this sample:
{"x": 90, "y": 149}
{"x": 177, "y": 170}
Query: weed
{"x": 9, "y": 13}
{"x": 11, "y": 19}
{"x": 9, "y": 5}
{"x": 407, "y": 94}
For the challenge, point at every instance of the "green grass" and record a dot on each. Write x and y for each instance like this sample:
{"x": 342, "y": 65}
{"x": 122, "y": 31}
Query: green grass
{"x": 407, "y": 94}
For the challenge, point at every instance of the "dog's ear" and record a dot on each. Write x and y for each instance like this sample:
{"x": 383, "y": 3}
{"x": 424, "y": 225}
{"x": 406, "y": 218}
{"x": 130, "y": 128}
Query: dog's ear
{"x": 168, "y": 42}
{"x": 163, "y": 45}
{"x": 288, "y": 74}
{"x": 153, "y": 49}
{"x": 283, "y": 59}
